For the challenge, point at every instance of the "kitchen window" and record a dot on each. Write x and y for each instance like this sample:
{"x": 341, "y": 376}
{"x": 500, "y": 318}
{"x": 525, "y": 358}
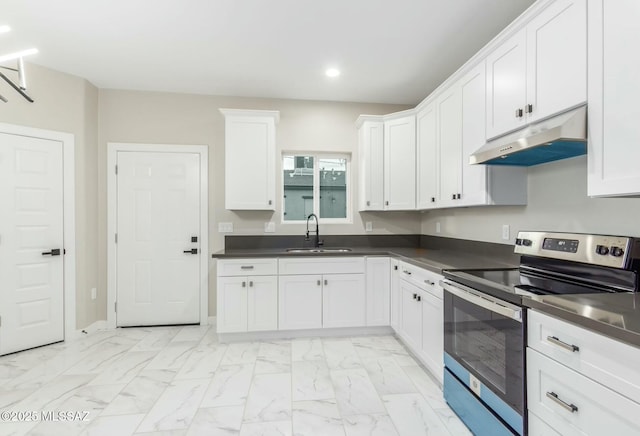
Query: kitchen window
{"x": 316, "y": 183}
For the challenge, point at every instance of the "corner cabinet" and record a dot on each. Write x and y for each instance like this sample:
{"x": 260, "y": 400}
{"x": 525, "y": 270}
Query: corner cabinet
{"x": 387, "y": 149}
{"x": 250, "y": 159}
{"x": 541, "y": 70}
{"x": 450, "y": 128}
{"x": 614, "y": 92}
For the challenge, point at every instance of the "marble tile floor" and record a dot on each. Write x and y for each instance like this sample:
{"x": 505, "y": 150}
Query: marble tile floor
{"x": 181, "y": 381}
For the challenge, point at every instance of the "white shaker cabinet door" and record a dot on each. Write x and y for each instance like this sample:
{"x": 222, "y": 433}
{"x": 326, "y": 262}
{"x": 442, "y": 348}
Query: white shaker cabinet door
{"x": 433, "y": 334}
{"x": 427, "y": 150}
{"x": 400, "y": 163}
{"x": 262, "y": 303}
{"x": 450, "y": 132}
{"x": 343, "y": 297}
{"x": 232, "y": 304}
{"x": 371, "y": 149}
{"x": 411, "y": 315}
{"x": 299, "y": 302}
{"x": 614, "y": 93}
{"x": 506, "y": 86}
{"x": 378, "y": 290}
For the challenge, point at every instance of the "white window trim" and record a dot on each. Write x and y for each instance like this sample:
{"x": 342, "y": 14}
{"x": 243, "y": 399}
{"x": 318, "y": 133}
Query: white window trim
{"x": 316, "y": 186}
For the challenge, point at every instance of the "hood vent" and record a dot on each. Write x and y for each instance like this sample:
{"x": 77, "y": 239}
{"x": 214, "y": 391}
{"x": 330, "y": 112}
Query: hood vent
{"x": 560, "y": 137}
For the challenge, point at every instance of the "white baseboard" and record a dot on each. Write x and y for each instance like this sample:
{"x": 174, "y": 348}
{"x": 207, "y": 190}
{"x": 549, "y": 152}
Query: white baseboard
{"x": 294, "y": 334}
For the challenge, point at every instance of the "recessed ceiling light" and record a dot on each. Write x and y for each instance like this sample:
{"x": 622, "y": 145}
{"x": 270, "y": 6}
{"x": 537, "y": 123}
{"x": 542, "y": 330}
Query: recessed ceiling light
{"x": 5, "y": 29}
{"x": 332, "y": 72}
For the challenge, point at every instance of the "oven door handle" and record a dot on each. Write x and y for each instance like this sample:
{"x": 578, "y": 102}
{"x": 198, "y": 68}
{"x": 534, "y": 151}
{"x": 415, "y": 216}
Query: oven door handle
{"x": 486, "y": 301}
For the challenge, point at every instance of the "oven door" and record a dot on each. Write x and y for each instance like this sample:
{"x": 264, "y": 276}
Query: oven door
{"x": 484, "y": 337}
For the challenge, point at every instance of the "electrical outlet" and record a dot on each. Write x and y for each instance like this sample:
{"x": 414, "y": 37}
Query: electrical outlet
{"x": 269, "y": 227}
{"x": 438, "y": 227}
{"x": 368, "y": 226}
{"x": 225, "y": 227}
{"x": 94, "y": 293}
{"x": 505, "y": 232}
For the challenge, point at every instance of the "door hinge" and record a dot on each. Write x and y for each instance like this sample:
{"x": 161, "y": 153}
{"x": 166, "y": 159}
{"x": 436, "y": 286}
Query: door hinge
{"x": 115, "y": 307}
{"x": 116, "y": 169}
{"x": 116, "y": 238}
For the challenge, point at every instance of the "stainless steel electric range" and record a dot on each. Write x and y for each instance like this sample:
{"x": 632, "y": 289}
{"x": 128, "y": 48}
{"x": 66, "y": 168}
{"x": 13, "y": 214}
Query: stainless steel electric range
{"x": 485, "y": 319}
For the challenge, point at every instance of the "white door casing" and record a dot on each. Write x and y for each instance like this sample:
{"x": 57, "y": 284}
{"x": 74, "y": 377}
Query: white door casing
{"x": 157, "y": 202}
{"x": 37, "y": 302}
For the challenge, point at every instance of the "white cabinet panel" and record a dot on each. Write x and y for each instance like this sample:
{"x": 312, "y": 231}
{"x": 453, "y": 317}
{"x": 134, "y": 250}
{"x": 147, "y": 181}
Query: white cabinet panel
{"x": 583, "y": 352}
{"x": 371, "y": 150}
{"x": 247, "y": 267}
{"x": 250, "y": 159}
{"x": 433, "y": 334}
{"x": 262, "y": 303}
{"x": 450, "y": 132}
{"x": 556, "y": 59}
{"x": 322, "y": 265}
{"x": 614, "y": 92}
{"x": 538, "y": 427}
{"x": 411, "y": 315}
{"x": 232, "y": 304}
{"x": 573, "y": 404}
{"x": 506, "y": 85}
{"x": 378, "y": 290}
{"x": 299, "y": 302}
{"x": 428, "y": 158}
{"x": 344, "y": 300}
{"x": 400, "y": 163}
{"x": 395, "y": 296}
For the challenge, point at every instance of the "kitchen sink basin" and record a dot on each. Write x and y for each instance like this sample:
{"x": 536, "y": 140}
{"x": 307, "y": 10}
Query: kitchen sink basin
{"x": 318, "y": 250}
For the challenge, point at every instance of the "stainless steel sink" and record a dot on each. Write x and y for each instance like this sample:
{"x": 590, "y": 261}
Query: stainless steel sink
{"x": 318, "y": 250}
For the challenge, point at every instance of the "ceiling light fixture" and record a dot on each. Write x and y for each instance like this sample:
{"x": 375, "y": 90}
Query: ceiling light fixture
{"x": 332, "y": 72}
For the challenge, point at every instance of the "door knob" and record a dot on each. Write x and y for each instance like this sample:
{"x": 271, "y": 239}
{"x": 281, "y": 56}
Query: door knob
{"x": 53, "y": 252}
{"x": 192, "y": 251}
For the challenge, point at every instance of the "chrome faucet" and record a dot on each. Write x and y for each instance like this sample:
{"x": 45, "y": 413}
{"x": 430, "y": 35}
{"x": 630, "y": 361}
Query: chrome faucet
{"x": 318, "y": 242}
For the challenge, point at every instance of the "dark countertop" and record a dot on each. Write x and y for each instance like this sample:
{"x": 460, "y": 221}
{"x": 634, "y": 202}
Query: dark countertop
{"x": 432, "y": 259}
{"x": 614, "y": 315}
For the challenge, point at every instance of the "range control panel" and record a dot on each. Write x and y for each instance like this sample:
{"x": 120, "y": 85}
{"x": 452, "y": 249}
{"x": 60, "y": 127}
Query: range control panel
{"x": 611, "y": 251}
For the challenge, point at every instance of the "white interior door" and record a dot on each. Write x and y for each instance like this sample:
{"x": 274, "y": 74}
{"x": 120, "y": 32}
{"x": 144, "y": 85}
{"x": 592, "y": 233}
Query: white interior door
{"x": 31, "y": 230}
{"x": 158, "y": 222}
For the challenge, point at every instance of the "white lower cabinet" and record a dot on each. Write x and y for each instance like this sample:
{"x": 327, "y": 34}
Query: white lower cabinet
{"x": 378, "y": 285}
{"x": 420, "y": 319}
{"x": 247, "y": 303}
{"x": 579, "y": 382}
{"x": 395, "y": 295}
{"x": 300, "y": 302}
{"x": 247, "y": 298}
{"x": 343, "y": 300}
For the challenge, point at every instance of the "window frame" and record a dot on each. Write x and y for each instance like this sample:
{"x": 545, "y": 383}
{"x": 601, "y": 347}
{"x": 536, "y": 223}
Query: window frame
{"x": 317, "y": 156}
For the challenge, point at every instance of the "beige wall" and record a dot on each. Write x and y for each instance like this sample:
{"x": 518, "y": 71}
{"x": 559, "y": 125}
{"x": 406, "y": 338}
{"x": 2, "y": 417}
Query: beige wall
{"x": 557, "y": 201}
{"x": 164, "y": 118}
{"x": 69, "y": 104}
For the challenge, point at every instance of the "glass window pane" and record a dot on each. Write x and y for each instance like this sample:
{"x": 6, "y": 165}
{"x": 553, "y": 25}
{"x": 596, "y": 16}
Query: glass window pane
{"x": 333, "y": 188}
{"x": 298, "y": 187}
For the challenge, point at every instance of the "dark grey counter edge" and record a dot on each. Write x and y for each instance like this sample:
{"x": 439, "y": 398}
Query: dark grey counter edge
{"x": 432, "y": 260}
{"x": 608, "y": 330}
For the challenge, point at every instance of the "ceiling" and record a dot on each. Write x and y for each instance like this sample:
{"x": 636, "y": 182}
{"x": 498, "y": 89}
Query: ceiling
{"x": 389, "y": 51}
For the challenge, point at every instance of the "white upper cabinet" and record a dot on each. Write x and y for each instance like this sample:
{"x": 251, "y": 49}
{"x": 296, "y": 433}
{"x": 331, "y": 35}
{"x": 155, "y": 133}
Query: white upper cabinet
{"x": 427, "y": 151}
{"x": 250, "y": 159}
{"x": 614, "y": 92}
{"x": 506, "y": 85}
{"x": 371, "y": 151}
{"x": 400, "y": 163}
{"x": 387, "y": 148}
{"x": 450, "y": 133}
{"x": 540, "y": 71}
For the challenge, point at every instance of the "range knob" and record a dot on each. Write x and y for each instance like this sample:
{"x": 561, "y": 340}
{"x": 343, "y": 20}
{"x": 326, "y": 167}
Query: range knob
{"x": 527, "y": 242}
{"x": 617, "y": 251}
{"x": 602, "y": 249}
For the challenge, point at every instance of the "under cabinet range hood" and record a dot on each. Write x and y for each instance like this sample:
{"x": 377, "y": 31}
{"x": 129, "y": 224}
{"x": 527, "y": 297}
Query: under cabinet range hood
{"x": 560, "y": 137}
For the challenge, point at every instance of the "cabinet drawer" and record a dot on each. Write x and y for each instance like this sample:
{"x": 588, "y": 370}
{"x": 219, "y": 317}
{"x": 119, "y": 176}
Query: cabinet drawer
{"x": 424, "y": 279}
{"x": 607, "y": 361}
{"x": 573, "y": 404}
{"x": 321, "y": 265}
{"x": 247, "y": 267}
